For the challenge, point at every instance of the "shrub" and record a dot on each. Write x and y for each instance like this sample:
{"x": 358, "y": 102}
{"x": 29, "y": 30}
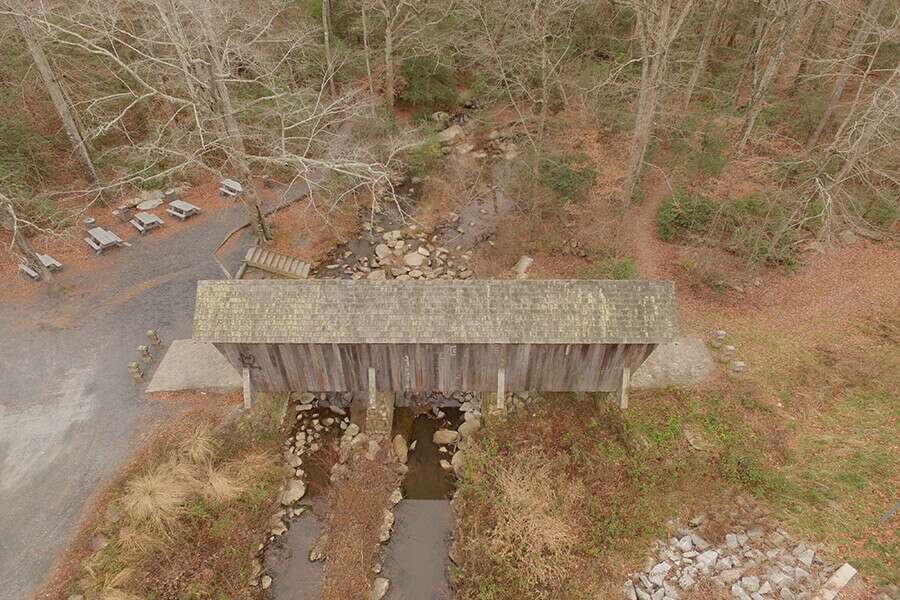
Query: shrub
{"x": 568, "y": 176}
{"x": 684, "y": 214}
{"x": 881, "y": 210}
{"x": 424, "y": 157}
{"x": 429, "y": 85}
{"x": 148, "y": 173}
{"x": 709, "y": 157}
{"x": 611, "y": 267}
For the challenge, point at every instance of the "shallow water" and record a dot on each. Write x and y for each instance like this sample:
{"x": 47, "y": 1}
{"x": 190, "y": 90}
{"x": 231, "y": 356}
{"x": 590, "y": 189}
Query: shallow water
{"x": 426, "y": 480}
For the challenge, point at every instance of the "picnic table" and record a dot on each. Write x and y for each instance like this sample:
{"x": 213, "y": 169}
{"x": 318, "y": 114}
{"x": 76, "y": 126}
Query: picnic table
{"x": 49, "y": 262}
{"x": 145, "y": 221}
{"x": 100, "y": 239}
{"x": 182, "y": 209}
{"x": 231, "y": 188}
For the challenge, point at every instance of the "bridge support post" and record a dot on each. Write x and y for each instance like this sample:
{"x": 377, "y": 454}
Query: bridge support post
{"x": 379, "y": 410}
{"x": 493, "y": 404}
{"x": 622, "y": 393}
{"x": 248, "y": 389}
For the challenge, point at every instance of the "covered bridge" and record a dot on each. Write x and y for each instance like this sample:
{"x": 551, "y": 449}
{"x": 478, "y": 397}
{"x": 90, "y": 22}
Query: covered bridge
{"x": 491, "y": 336}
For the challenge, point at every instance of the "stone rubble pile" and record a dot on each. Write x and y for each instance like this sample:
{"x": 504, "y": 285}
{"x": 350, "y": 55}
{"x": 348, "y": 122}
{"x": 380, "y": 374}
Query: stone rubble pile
{"x": 400, "y": 254}
{"x": 755, "y": 563}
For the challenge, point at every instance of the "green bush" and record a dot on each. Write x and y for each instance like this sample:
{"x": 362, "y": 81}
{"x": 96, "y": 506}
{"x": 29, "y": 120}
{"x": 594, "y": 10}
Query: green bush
{"x": 429, "y": 85}
{"x": 611, "y": 267}
{"x": 709, "y": 157}
{"x": 882, "y": 210}
{"x": 424, "y": 157}
{"x": 684, "y": 214}
{"x": 569, "y": 176}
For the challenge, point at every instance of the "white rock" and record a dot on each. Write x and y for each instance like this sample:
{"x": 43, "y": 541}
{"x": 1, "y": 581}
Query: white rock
{"x": 445, "y": 436}
{"x": 414, "y": 259}
{"x": 750, "y": 583}
{"x": 686, "y": 581}
{"x": 707, "y": 560}
{"x": 458, "y": 461}
{"x": 471, "y": 426}
{"x": 684, "y": 544}
{"x": 730, "y": 576}
{"x": 445, "y": 465}
{"x": 400, "y": 449}
{"x": 386, "y": 525}
{"x": 658, "y": 573}
{"x": 381, "y": 251}
{"x": 379, "y": 588}
{"x": 294, "y": 491}
{"x": 266, "y": 582}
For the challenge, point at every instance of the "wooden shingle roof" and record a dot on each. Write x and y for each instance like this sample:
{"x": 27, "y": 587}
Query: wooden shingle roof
{"x": 437, "y": 311}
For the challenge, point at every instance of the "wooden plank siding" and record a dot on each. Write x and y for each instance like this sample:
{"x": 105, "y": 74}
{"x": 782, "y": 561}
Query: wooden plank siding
{"x": 435, "y": 367}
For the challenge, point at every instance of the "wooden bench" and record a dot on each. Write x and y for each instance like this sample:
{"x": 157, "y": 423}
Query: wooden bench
{"x": 31, "y": 273}
{"x": 49, "y": 262}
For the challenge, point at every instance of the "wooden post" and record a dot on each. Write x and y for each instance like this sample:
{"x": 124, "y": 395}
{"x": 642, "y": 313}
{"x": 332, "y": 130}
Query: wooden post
{"x": 372, "y": 391}
{"x": 501, "y": 390}
{"x": 623, "y": 388}
{"x": 248, "y": 389}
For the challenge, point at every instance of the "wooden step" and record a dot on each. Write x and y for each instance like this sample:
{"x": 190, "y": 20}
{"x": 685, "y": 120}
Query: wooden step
{"x": 278, "y": 264}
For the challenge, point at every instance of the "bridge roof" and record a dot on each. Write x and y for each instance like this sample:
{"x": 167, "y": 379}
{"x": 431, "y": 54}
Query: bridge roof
{"x": 326, "y": 311}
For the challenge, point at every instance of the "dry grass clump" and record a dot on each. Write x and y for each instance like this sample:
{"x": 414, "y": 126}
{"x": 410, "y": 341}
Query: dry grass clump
{"x": 536, "y": 516}
{"x": 157, "y": 497}
{"x": 185, "y": 517}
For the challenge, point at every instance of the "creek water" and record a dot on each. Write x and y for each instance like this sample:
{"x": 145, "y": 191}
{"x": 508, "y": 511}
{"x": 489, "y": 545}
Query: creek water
{"x": 426, "y": 479}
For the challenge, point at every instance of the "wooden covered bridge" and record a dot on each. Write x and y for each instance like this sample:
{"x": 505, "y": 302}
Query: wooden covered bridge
{"x": 387, "y": 337}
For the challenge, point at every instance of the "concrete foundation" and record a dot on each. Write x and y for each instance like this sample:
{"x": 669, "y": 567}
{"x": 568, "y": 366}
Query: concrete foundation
{"x": 380, "y": 414}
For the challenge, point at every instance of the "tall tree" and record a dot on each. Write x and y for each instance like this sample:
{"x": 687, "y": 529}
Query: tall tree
{"x": 867, "y": 18}
{"x": 711, "y": 26}
{"x": 785, "y": 17}
{"x": 657, "y": 24}
{"x": 57, "y": 96}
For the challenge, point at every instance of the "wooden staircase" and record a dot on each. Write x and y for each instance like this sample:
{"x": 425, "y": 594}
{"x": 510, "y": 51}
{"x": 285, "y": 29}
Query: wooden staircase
{"x": 277, "y": 264}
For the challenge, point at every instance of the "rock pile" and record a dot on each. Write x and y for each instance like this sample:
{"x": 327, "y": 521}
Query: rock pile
{"x": 400, "y": 254}
{"x": 755, "y": 563}
{"x": 305, "y": 437}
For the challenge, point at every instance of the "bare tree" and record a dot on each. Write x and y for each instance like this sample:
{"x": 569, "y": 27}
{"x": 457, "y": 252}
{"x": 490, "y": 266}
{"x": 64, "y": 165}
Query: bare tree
{"x": 657, "y": 24}
{"x": 57, "y": 96}
{"x": 866, "y": 22}
{"x": 405, "y": 23}
{"x": 785, "y": 16}
{"x": 525, "y": 50}
{"x": 326, "y": 30}
{"x": 711, "y": 26}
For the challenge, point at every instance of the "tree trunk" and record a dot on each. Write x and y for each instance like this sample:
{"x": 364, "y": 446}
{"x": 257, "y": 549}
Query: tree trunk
{"x": 57, "y": 96}
{"x": 764, "y": 82}
{"x": 811, "y": 42}
{"x": 859, "y": 40}
{"x": 326, "y": 27}
{"x": 389, "y": 67}
{"x": 709, "y": 32}
{"x": 238, "y": 153}
{"x": 365, "y": 27}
